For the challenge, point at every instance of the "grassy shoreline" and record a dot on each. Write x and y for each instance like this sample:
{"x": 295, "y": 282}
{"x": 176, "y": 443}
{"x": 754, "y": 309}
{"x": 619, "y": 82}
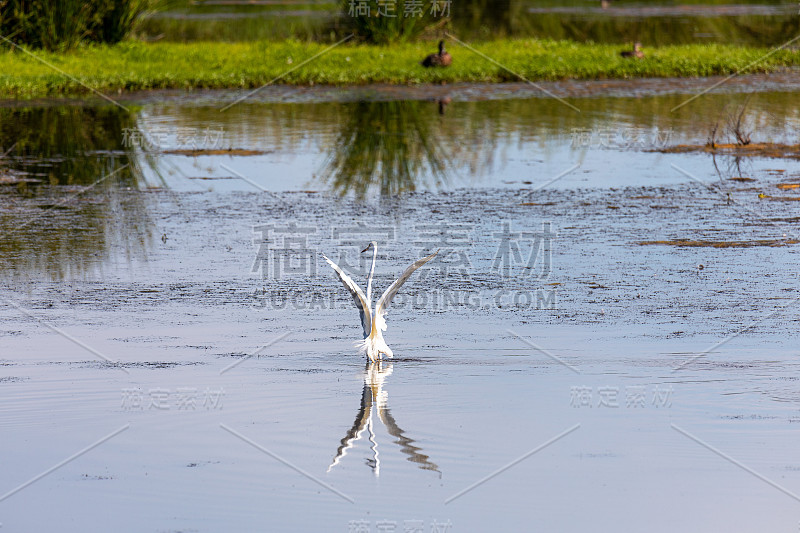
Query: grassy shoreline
{"x": 132, "y": 66}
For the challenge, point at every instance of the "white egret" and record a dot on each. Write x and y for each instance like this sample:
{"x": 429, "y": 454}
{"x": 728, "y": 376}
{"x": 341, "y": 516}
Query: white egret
{"x": 373, "y": 322}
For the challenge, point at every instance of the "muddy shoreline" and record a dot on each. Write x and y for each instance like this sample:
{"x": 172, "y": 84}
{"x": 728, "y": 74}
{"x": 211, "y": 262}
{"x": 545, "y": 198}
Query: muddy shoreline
{"x": 787, "y": 81}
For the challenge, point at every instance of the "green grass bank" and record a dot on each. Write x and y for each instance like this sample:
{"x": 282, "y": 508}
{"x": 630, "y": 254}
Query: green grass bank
{"x": 130, "y": 66}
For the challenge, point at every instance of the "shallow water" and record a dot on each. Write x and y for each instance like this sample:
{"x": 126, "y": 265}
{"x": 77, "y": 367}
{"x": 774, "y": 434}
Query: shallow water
{"x": 659, "y": 389}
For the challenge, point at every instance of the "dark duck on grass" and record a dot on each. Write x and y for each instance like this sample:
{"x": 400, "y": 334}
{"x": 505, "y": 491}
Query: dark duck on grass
{"x": 636, "y": 52}
{"x": 442, "y": 59}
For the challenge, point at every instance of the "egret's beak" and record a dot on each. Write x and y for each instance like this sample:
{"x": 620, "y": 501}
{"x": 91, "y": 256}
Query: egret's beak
{"x": 367, "y": 248}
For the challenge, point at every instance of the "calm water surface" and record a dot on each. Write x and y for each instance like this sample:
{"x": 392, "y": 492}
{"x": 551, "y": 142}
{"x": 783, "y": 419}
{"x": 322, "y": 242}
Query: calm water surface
{"x": 551, "y": 371}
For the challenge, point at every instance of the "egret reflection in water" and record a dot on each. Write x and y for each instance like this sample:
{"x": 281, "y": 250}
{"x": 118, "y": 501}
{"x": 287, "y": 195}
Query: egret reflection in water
{"x": 374, "y": 400}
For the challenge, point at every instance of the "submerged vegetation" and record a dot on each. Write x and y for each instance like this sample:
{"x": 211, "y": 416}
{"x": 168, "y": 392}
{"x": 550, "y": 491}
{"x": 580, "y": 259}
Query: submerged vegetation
{"x": 135, "y": 66}
{"x": 740, "y": 126}
{"x": 751, "y": 149}
{"x": 736, "y": 123}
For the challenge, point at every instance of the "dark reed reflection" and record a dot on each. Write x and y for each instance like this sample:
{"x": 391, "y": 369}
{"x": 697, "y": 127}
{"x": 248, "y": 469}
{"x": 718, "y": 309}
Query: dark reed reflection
{"x": 389, "y": 146}
{"x": 68, "y": 186}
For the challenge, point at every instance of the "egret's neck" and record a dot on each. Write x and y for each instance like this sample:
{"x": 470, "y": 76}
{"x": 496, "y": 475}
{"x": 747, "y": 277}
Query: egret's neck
{"x": 371, "y": 272}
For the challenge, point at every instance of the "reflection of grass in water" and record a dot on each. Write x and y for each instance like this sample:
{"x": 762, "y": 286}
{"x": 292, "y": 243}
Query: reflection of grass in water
{"x": 472, "y": 136}
{"x": 72, "y": 239}
{"x": 72, "y": 221}
{"x": 65, "y": 145}
{"x": 388, "y": 146}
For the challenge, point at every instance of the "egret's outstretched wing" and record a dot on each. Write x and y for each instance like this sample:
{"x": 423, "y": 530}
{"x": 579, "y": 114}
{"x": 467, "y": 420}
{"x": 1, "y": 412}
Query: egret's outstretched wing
{"x": 357, "y": 294}
{"x": 386, "y": 297}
